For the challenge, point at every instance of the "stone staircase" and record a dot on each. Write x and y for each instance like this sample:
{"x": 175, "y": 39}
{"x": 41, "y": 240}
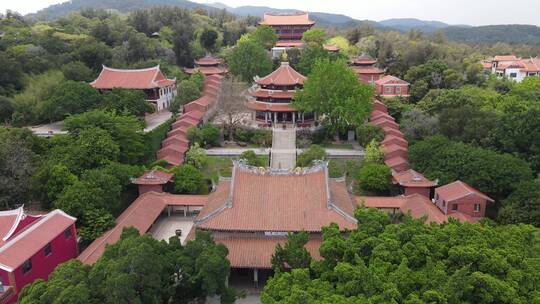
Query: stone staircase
{"x": 283, "y": 148}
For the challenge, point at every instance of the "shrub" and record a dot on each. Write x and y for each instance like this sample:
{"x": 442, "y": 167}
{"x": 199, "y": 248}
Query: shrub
{"x": 374, "y": 153}
{"x": 367, "y": 132}
{"x": 251, "y": 158}
{"x": 374, "y": 177}
{"x": 188, "y": 179}
{"x": 196, "y": 156}
{"x": 306, "y": 159}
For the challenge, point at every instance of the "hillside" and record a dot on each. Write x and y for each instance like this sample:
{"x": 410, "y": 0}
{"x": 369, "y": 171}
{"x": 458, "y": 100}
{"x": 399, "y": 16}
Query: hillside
{"x": 513, "y": 34}
{"x": 58, "y": 10}
{"x": 406, "y": 24}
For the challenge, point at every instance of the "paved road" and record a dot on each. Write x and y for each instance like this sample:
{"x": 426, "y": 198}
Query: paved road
{"x": 235, "y": 151}
{"x": 283, "y": 148}
{"x": 156, "y": 119}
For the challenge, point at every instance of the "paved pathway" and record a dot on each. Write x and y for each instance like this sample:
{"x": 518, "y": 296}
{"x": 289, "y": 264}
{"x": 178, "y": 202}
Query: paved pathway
{"x": 235, "y": 151}
{"x": 155, "y": 119}
{"x": 283, "y": 148}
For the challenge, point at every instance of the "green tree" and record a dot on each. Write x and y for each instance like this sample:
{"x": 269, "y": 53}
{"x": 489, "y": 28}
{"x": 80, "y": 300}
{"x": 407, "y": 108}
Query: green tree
{"x": 50, "y": 180}
{"x": 251, "y": 158}
{"x": 78, "y": 71}
{"x": 188, "y": 91}
{"x": 94, "y": 148}
{"x": 313, "y": 153}
{"x": 125, "y": 130}
{"x": 6, "y": 109}
{"x": 96, "y": 222}
{"x": 93, "y": 54}
{"x": 365, "y": 133}
{"x": 188, "y": 179}
{"x": 11, "y": 75}
{"x": 132, "y": 102}
{"x": 333, "y": 91}
{"x": 374, "y": 177}
{"x": 314, "y": 38}
{"x": 374, "y": 153}
{"x": 70, "y": 97}
{"x": 523, "y": 205}
{"x": 196, "y": 156}
{"x": 249, "y": 59}
{"x": 182, "y": 37}
{"x": 264, "y": 35}
{"x": 208, "y": 39}
{"x": 416, "y": 124}
{"x": 292, "y": 254}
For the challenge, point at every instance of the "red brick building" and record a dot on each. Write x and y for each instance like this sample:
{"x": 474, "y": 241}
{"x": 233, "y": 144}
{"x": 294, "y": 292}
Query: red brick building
{"x": 391, "y": 86}
{"x": 159, "y": 90}
{"x": 412, "y": 182}
{"x": 271, "y": 98}
{"x": 153, "y": 180}
{"x": 458, "y": 197}
{"x": 31, "y": 247}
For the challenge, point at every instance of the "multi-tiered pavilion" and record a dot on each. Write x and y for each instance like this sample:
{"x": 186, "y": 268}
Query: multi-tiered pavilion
{"x": 289, "y": 27}
{"x": 271, "y": 98}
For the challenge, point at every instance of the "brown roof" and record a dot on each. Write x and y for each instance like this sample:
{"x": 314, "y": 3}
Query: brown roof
{"x": 285, "y": 75}
{"x": 154, "y": 177}
{"x": 262, "y": 93}
{"x": 141, "y": 214}
{"x": 257, "y": 251}
{"x": 396, "y": 140}
{"x": 208, "y": 60}
{"x": 149, "y": 78}
{"x": 289, "y": 43}
{"x": 367, "y": 70}
{"x": 457, "y": 190}
{"x": 364, "y": 59}
{"x": 379, "y": 106}
{"x": 505, "y": 58}
{"x": 416, "y": 205}
{"x": 33, "y": 238}
{"x": 272, "y": 107}
{"x": 331, "y": 47}
{"x": 411, "y": 178}
{"x": 531, "y": 64}
{"x": 397, "y": 163}
{"x": 286, "y": 19}
{"x": 389, "y": 79}
{"x": 386, "y": 122}
{"x": 270, "y": 200}
{"x": 375, "y": 115}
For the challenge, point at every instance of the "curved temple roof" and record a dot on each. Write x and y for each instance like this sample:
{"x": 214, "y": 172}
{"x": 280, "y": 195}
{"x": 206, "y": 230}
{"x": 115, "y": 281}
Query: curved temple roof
{"x": 285, "y": 75}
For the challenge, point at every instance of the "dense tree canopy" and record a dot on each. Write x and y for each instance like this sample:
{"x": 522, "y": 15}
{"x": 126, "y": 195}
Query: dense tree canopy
{"x": 333, "y": 91}
{"x": 249, "y": 59}
{"x": 411, "y": 262}
{"x": 140, "y": 269}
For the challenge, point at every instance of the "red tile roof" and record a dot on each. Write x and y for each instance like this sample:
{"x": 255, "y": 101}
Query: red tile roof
{"x": 208, "y": 60}
{"x": 397, "y": 163}
{"x": 141, "y": 214}
{"x": 389, "y": 79}
{"x": 331, "y": 47}
{"x": 285, "y": 75}
{"x": 256, "y": 252}
{"x": 23, "y": 245}
{"x": 149, "y": 78}
{"x": 9, "y": 220}
{"x": 457, "y": 190}
{"x": 153, "y": 177}
{"x": 411, "y": 178}
{"x": 272, "y": 107}
{"x": 386, "y": 123}
{"x": 416, "y": 205}
{"x": 286, "y": 19}
{"x": 289, "y": 43}
{"x": 505, "y": 58}
{"x": 364, "y": 59}
{"x": 531, "y": 64}
{"x": 266, "y": 200}
{"x": 367, "y": 70}
{"x": 375, "y": 115}
{"x": 396, "y": 140}
{"x": 207, "y": 70}
{"x": 262, "y": 93}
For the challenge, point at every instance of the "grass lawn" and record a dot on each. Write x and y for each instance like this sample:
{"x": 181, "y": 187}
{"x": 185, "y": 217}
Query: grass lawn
{"x": 340, "y": 167}
{"x": 222, "y": 165}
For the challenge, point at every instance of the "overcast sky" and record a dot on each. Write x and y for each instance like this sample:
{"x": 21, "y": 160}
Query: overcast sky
{"x": 473, "y": 12}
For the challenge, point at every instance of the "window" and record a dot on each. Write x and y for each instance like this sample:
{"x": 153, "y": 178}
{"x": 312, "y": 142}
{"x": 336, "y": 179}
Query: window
{"x": 513, "y": 75}
{"x": 398, "y": 90}
{"x": 47, "y": 249}
{"x": 387, "y": 89}
{"x": 476, "y": 207}
{"x": 27, "y": 266}
{"x": 444, "y": 203}
{"x": 67, "y": 233}
{"x": 454, "y": 206}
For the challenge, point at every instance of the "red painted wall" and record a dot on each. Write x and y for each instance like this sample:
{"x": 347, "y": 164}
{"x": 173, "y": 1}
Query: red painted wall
{"x": 62, "y": 250}
{"x": 465, "y": 205}
{"x": 369, "y": 77}
{"x": 382, "y": 90}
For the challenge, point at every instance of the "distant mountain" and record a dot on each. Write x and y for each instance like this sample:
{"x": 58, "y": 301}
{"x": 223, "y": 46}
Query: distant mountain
{"x": 406, "y": 24}
{"x": 58, "y": 10}
{"x": 491, "y": 34}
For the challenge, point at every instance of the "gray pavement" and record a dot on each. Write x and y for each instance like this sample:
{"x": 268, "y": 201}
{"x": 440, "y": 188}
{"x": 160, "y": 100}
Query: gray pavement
{"x": 155, "y": 119}
{"x": 283, "y": 148}
{"x": 235, "y": 151}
